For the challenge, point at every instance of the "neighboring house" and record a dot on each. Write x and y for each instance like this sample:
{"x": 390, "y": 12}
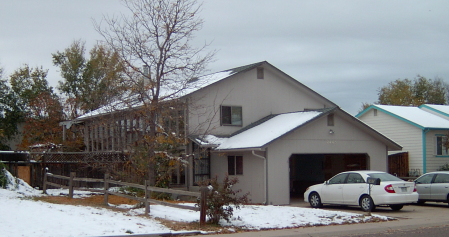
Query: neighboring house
{"x": 258, "y": 124}
{"x": 421, "y": 132}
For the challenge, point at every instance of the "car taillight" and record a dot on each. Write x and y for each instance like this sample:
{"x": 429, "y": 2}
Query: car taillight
{"x": 414, "y": 188}
{"x": 389, "y": 189}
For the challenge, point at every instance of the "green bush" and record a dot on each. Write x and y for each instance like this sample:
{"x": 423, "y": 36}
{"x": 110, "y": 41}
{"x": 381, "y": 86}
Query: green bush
{"x": 444, "y": 167}
{"x": 3, "y": 178}
{"x": 222, "y": 199}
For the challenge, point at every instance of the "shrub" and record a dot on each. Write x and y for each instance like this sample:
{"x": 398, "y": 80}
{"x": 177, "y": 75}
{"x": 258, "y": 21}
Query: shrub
{"x": 3, "y": 178}
{"x": 222, "y": 199}
{"x": 444, "y": 167}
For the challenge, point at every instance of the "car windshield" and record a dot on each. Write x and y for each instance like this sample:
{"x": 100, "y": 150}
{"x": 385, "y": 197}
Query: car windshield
{"x": 384, "y": 177}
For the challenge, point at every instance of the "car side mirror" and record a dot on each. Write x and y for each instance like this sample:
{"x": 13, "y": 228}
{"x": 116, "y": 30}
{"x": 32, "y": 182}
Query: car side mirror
{"x": 373, "y": 181}
{"x": 326, "y": 183}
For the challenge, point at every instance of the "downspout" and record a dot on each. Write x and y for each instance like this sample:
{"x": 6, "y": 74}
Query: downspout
{"x": 424, "y": 150}
{"x": 264, "y": 174}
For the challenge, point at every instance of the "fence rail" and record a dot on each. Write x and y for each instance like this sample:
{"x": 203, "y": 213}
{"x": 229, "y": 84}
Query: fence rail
{"x": 147, "y": 189}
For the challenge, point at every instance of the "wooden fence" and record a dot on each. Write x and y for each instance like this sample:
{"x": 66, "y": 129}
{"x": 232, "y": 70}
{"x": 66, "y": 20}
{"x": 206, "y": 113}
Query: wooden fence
{"x": 73, "y": 180}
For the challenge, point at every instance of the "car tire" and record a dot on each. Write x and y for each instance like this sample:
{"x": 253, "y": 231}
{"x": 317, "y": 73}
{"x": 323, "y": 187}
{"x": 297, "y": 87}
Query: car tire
{"x": 396, "y": 207}
{"x": 366, "y": 203}
{"x": 315, "y": 200}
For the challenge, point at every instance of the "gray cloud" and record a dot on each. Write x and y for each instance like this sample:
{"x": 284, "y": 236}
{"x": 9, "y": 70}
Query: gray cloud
{"x": 344, "y": 50}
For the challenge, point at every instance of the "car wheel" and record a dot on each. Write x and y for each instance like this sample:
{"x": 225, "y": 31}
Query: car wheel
{"x": 366, "y": 203}
{"x": 396, "y": 207}
{"x": 315, "y": 200}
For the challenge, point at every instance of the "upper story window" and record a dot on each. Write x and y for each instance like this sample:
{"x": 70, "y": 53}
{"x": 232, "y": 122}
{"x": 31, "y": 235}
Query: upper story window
{"x": 231, "y": 115}
{"x": 441, "y": 145}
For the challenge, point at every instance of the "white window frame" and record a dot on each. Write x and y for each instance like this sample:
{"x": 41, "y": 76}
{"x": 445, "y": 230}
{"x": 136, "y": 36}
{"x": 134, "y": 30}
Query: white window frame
{"x": 438, "y": 143}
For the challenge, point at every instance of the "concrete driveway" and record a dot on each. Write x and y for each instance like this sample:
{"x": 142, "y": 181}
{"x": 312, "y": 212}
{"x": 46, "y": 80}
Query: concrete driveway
{"x": 410, "y": 217}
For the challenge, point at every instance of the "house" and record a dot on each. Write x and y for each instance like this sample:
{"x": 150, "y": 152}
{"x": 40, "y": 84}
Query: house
{"x": 259, "y": 124}
{"x": 421, "y": 131}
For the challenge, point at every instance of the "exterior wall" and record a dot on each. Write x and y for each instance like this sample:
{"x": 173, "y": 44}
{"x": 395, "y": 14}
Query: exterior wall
{"x": 407, "y": 135}
{"x": 274, "y": 94}
{"x": 251, "y": 181}
{"x": 315, "y": 138}
{"x": 433, "y": 161}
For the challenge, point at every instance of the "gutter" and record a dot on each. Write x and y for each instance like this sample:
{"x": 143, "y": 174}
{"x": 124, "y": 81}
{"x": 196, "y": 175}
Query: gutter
{"x": 264, "y": 174}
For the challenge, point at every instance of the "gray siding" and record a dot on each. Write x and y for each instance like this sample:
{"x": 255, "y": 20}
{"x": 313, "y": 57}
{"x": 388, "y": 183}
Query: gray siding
{"x": 315, "y": 139}
{"x": 274, "y": 94}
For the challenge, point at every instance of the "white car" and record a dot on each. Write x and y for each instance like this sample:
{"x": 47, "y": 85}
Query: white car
{"x": 352, "y": 188}
{"x": 433, "y": 186}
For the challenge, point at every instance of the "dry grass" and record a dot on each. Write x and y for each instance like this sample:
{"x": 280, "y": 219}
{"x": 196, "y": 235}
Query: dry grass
{"x": 98, "y": 201}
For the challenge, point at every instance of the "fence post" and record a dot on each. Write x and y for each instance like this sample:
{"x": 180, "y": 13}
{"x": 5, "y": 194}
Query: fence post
{"x": 147, "y": 197}
{"x": 203, "y": 205}
{"x": 44, "y": 186}
{"x": 72, "y": 176}
{"x": 106, "y": 189}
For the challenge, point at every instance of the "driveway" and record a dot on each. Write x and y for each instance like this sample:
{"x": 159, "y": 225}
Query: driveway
{"x": 410, "y": 217}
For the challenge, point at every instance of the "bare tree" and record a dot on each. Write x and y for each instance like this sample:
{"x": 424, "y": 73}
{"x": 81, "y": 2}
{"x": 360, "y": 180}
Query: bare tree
{"x": 155, "y": 44}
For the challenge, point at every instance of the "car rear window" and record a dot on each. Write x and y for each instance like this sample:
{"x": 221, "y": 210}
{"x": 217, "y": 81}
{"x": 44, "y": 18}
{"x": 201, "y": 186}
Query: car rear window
{"x": 384, "y": 177}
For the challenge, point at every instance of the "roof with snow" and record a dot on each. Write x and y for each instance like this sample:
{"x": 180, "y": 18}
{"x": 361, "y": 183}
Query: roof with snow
{"x": 261, "y": 133}
{"x": 414, "y": 115}
{"x": 192, "y": 85}
{"x": 440, "y": 109}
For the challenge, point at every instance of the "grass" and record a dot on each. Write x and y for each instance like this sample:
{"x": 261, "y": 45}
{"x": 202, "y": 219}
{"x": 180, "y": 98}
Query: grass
{"x": 97, "y": 200}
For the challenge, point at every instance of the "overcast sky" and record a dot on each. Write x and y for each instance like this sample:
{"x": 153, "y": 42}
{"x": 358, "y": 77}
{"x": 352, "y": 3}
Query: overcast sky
{"x": 344, "y": 50}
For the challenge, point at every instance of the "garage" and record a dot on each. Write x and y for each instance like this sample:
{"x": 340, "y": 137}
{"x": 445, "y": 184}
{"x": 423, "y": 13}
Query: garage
{"x": 309, "y": 169}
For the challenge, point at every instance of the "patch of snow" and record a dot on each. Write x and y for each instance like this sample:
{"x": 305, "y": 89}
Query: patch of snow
{"x": 268, "y": 131}
{"x": 23, "y": 216}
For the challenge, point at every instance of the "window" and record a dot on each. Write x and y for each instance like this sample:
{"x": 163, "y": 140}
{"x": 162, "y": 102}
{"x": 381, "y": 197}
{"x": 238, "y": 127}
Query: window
{"x": 231, "y": 115}
{"x": 441, "y": 146}
{"x": 330, "y": 120}
{"x": 426, "y": 179}
{"x": 339, "y": 179}
{"x": 235, "y": 165}
{"x": 442, "y": 178}
{"x": 355, "y": 178}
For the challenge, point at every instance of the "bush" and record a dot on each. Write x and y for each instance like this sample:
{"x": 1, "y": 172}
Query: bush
{"x": 221, "y": 199}
{"x": 444, "y": 167}
{"x": 3, "y": 178}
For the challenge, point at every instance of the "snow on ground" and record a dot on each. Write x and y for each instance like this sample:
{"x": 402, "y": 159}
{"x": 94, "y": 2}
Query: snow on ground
{"x": 22, "y": 216}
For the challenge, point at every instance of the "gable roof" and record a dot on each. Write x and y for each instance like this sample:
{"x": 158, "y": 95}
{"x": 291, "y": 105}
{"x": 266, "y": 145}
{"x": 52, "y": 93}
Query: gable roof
{"x": 193, "y": 85}
{"x": 412, "y": 115}
{"x": 263, "y": 131}
{"x": 270, "y": 128}
{"x": 440, "y": 109}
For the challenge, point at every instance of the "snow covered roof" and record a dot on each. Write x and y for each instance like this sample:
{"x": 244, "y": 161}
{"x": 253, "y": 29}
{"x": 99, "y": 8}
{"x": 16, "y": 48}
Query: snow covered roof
{"x": 193, "y": 85}
{"x": 440, "y": 109}
{"x": 263, "y": 133}
{"x": 415, "y": 116}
